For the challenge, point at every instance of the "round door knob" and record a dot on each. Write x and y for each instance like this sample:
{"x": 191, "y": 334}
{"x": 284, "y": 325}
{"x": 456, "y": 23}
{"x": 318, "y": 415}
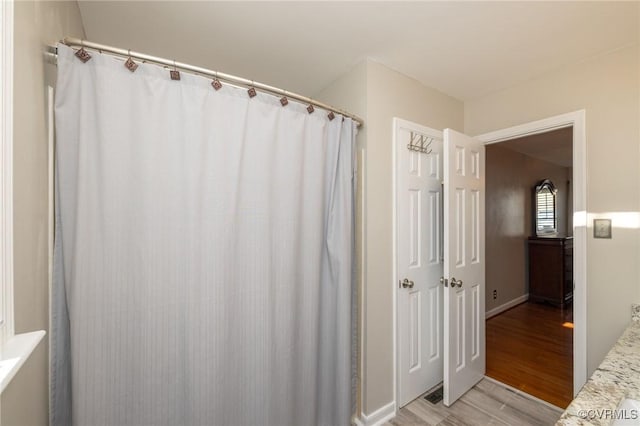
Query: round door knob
{"x": 406, "y": 283}
{"x": 455, "y": 282}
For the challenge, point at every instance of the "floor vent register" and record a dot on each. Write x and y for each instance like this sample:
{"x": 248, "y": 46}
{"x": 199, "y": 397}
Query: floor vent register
{"x": 435, "y": 396}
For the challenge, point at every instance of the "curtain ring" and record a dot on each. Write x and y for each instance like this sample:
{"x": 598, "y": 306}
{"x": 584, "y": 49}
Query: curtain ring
{"x": 82, "y": 54}
{"x": 216, "y": 83}
{"x": 252, "y": 90}
{"x": 175, "y": 74}
{"x": 129, "y": 63}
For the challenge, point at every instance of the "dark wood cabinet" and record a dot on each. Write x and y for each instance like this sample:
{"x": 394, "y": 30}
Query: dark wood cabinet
{"x": 551, "y": 269}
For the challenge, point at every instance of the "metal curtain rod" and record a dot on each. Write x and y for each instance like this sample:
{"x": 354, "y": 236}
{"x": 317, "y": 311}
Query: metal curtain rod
{"x": 75, "y": 42}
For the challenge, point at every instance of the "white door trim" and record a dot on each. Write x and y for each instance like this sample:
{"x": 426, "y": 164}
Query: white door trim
{"x": 576, "y": 120}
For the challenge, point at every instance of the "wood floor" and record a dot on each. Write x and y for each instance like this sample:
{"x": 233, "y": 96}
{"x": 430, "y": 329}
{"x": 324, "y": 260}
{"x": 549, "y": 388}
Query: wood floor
{"x": 487, "y": 403}
{"x": 529, "y": 349}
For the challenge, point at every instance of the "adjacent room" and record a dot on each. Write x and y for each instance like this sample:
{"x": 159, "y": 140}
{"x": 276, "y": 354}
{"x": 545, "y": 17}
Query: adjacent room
{"x": 529, "y": 275}
{"x": 319, "y": 213}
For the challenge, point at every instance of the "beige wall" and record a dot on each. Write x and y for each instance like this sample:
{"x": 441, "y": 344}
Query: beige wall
{"x": 388, "y": 94}
{"x": 25, "y": 401}
{"x": 510, "y": 178}
{"x": 608, "y": 88}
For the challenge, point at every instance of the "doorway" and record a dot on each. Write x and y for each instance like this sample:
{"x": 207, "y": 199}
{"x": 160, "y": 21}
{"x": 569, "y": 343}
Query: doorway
{"x": 529, "y": 276}
{"x": 575, "y": 222}
{"x": 529, "y": 264}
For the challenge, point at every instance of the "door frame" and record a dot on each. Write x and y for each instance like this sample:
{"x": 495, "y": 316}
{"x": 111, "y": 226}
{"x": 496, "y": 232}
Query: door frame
{"x": 397, "y": 124}
{"x": 576, "y": 120}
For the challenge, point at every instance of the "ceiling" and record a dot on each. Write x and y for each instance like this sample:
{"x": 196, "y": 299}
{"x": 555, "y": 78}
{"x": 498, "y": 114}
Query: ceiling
{"x": 464, "y": 49}
{"x": 554, "y": 147}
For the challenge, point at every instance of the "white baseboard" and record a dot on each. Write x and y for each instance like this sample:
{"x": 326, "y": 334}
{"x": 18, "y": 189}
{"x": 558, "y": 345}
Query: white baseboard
{"x": 510, "y": 304}
{"x": 378, "y": 417}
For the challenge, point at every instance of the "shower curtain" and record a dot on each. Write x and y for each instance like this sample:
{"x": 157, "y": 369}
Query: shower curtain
{"x": 203, "y": 253}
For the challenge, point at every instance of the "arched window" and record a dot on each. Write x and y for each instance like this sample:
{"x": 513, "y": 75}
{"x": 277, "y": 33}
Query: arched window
{"x": 546, "y": 221}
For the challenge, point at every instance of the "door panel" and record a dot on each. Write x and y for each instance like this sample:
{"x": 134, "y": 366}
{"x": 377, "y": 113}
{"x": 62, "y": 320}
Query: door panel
{"x": 459, "y": 327}
{"x": 418, "y": 198}
{"x": 459, "y": 211}
{"x": 434, "y": 318}
{"x": 464, "y": 326}
{"x": 434, "y": 216}
{"x": 414, "y": 330}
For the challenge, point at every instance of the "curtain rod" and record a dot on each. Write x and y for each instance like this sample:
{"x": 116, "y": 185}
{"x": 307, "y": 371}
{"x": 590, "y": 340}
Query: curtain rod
{"x": 234, "y": 80}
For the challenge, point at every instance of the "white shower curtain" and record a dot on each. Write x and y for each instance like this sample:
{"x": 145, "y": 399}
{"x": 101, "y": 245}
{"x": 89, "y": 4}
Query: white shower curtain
{"x": 204, "y": 250}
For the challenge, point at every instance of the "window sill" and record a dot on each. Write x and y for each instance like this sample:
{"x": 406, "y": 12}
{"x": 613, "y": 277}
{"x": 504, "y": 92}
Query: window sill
{"x": 14, "y": 354}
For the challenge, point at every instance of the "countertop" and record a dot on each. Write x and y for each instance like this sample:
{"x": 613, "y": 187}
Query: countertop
{"x": 617, "y": 378}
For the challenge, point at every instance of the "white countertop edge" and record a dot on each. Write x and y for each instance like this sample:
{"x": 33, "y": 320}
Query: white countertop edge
{"x": 14, "y": 354}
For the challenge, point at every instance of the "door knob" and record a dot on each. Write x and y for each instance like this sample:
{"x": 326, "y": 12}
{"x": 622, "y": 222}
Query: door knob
{"x": 455, "y": 282}
{"x": 406, "y": 283}
{"x": 444, "y": 281}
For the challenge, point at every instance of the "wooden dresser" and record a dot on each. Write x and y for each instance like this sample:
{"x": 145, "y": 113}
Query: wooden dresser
{"x": 551, "y": 269}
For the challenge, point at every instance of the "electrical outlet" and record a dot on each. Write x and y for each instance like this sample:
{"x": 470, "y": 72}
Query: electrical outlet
{"x": 495, "y": 294}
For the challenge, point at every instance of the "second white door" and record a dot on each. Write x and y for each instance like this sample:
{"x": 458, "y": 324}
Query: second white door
{"x": 464, "y": 264}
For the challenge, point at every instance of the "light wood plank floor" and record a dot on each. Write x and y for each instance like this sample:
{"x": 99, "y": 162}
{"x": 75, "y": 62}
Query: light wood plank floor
{"x": 487, "y": 403}
{"x": 529, "y": 349}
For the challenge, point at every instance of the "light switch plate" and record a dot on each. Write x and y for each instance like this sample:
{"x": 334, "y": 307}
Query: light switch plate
{"x": 601, "y": 228}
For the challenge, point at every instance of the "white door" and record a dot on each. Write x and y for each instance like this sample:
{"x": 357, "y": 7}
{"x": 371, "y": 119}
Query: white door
{"x": 464, "y": 324}
{"x": 418, "y": 218}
